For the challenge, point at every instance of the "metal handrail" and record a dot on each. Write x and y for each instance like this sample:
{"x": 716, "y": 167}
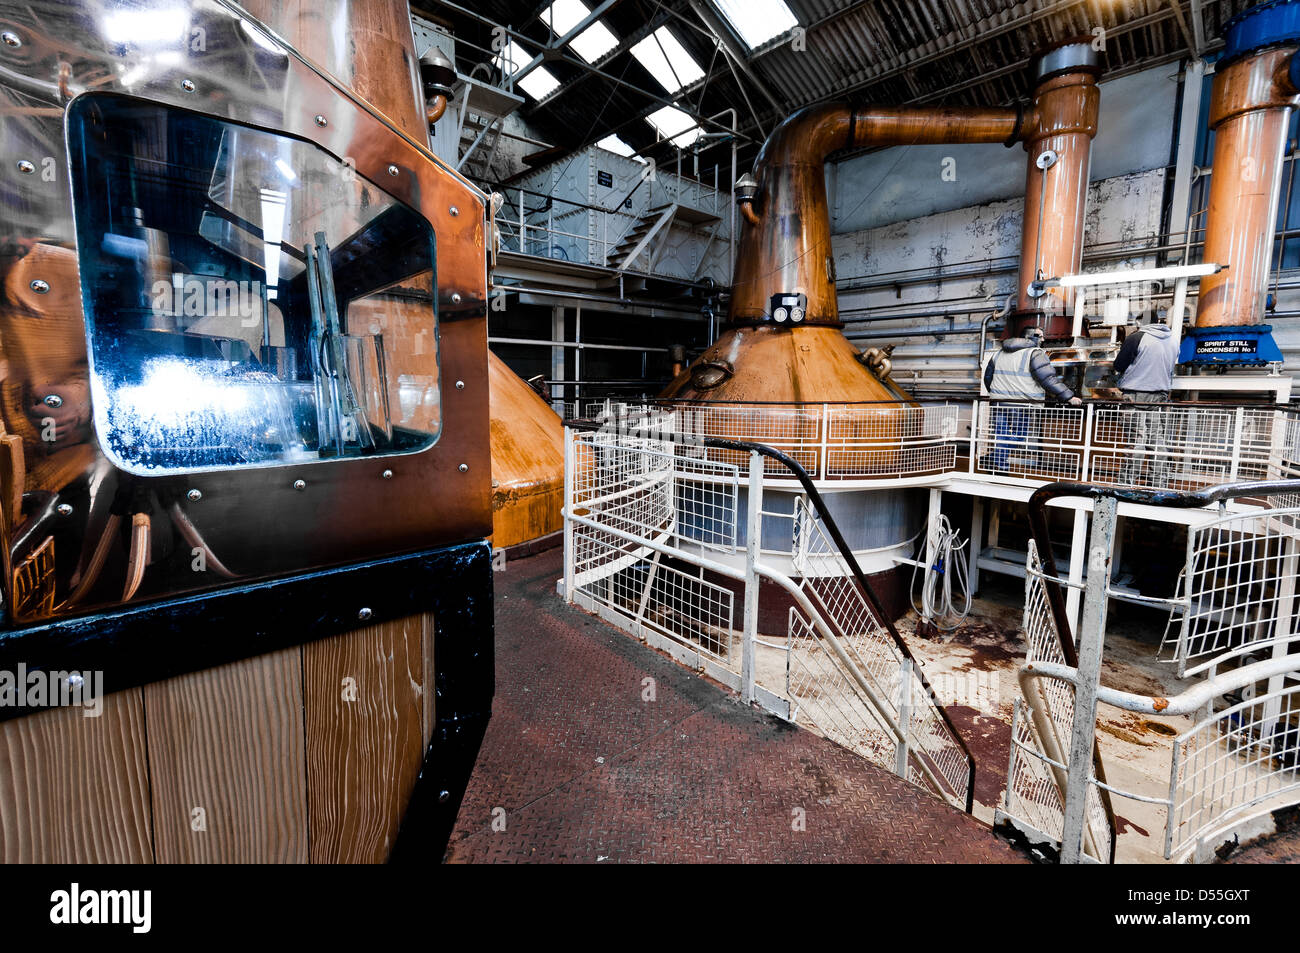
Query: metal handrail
{"x": 846, "y": 553}
{"x": 1055, "y": 591}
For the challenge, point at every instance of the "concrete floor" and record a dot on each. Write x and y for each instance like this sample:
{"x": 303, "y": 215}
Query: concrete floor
{"x": 974, "y": 672}
{"x": 602, "y": 750}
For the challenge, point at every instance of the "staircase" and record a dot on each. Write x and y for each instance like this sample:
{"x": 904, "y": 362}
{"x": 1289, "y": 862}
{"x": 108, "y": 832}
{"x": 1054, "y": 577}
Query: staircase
{"x": 639, "y": 238}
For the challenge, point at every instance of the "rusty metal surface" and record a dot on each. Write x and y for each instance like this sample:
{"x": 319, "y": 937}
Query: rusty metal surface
{"x": 254, "y": 520}
{"x": 583, "y": 770}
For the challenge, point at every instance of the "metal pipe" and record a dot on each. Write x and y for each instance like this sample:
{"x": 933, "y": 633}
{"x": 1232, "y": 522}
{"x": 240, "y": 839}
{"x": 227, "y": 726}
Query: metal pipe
{"x": 787, "y": 244}
{"x": 1188, "y": 702}
{"x": 578, "y": 345}
{"x": 602, "y": 299}
{"x": 935, "y": 330}
{"x": 1250, "y": 111}
{"x": 1058, "y": 138}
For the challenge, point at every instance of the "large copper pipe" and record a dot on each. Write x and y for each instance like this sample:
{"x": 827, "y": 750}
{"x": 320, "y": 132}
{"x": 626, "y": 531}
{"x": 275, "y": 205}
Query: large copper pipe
{"x": 1058, "y": 138}
{"x": 786, "y": 244}
{"x": 1250, "y": 111}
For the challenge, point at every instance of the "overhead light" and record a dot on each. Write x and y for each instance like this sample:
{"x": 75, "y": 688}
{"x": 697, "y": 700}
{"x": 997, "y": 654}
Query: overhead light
{"x": 592, "y": 43}
{"x": 757, "y": 21}
{"x": 1133, "y": 274}
{"x": 667, "y": 60}
{"x": 671, "y": 123}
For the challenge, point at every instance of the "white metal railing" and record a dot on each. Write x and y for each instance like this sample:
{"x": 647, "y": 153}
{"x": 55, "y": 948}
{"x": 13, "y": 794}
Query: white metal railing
{"x": 656, "y": 544}
{"x": 1041, "y": 728}
{"x": 1236, "y": 592}
{"x": 1184, "y": 446}
{"x": 1237, "y": 762}
{"x": 1179, "y": 446}
{"x": 888, "y": 440}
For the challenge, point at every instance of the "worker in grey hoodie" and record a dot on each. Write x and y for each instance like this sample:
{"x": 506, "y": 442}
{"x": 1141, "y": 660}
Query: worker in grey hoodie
{"x": 1020, "y": 371}
{"x": 1145, "y": 365}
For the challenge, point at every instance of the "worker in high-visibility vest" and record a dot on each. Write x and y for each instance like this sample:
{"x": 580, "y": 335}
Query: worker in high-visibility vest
{"x": 1021, "y": 373}
{"x": 1145, "y": 365}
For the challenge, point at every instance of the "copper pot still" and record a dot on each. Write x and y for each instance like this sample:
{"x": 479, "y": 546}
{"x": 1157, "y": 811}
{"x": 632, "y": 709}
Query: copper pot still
{"x": 784, "y": 342}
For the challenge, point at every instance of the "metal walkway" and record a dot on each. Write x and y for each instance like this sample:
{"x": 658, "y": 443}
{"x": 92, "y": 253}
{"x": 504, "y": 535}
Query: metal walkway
{"x": 577, "y": 767}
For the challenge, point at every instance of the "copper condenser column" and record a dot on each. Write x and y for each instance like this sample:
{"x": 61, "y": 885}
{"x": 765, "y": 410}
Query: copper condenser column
{"x": 1255, "y": 87}
{"x": 1058, "y": 138}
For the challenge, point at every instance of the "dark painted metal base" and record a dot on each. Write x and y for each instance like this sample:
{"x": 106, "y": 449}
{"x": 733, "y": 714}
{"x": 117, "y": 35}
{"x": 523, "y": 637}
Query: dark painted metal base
{"x": 465, "y": 681}
{"x": 163, "y": 639}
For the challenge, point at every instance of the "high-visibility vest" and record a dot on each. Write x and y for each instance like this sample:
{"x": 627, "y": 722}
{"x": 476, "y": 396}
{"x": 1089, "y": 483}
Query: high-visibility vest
{"x": 1012, "y": 378}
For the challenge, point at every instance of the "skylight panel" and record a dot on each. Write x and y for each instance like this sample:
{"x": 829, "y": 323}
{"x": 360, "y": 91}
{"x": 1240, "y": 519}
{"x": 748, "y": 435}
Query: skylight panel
{"x": 539, "y": 83}
{"x": 592, "y": 43}
{"x": 617, "y": 146}
{"x": 667, "y": 60}
{"x": 672, "y": 123}
{"x": 512, "y": 58}
{"x": 757, "y": 21}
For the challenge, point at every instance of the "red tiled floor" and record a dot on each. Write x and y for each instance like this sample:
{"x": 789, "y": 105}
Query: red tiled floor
{"x": 583, "y": 769}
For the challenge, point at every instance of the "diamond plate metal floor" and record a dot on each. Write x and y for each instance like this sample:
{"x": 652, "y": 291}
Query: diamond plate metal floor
{"x": 602, "y": 750}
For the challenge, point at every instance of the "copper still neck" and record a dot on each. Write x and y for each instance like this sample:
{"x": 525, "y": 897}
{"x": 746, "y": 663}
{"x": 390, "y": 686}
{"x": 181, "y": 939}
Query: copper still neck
{"x": 1058, "y": 136}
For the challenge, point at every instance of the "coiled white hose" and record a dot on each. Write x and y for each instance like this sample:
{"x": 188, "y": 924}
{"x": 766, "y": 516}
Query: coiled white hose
{"x": 945, "y": 588}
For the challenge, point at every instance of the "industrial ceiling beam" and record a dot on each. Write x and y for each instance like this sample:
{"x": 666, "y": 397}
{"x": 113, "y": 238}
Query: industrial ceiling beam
{"x": 559, "y": 42}
{"x": 731, "y": 47}
{"x": 1182, "y": 26}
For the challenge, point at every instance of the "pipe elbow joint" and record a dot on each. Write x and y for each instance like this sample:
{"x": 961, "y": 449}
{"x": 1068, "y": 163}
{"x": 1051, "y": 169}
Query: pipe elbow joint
{"x": 435, "y": 108}
{"x": 746, "y": 192}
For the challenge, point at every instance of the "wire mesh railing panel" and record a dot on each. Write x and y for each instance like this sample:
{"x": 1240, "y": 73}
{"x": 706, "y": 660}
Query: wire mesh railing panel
{"x": 1032, "y": 795}
{"x": 1181, "y": 448}
{"x": 643, "y": 488}
{"x": 1043, "y": 644}
{"x": 823, "y": 696}
{"x": 1239, "y": 762}
{"x": 793, "y": 429}
{"x": 826, "y": 580}
{"x": 1237, "y": 588}
{"x": 1029, "y": 441}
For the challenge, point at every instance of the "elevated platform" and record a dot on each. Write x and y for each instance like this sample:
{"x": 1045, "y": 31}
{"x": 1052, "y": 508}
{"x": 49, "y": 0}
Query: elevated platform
{"x": 587, "y": 770}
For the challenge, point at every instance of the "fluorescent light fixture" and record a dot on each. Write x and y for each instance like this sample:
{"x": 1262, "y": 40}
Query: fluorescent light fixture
{"x": 1132, "y": 275}
{"x": 667, "y": 60}
{"x": 592, "y": 43}
{"x": 274, "y": 207}
{"x": 757, "y": 21}
{"x": 539, "y": 83}
{"x": 671, "y": 123}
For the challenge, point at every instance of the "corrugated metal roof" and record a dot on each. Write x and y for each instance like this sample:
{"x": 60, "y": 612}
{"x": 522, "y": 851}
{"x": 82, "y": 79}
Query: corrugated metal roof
{"x": 889, "y": 51}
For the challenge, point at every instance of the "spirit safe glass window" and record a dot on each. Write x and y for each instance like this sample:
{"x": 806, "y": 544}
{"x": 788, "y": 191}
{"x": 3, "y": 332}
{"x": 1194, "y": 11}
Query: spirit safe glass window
{"x": 249, "y": 299}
